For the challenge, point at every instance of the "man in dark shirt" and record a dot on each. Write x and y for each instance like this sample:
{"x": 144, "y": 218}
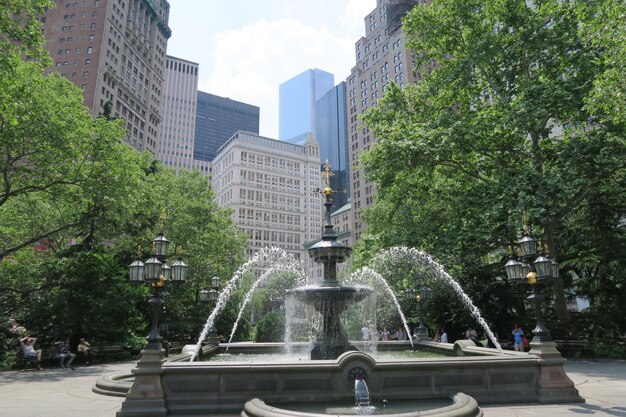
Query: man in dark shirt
{"x": 64, "y": 352}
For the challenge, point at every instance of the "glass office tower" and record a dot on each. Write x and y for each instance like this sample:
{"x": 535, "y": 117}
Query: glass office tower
{"x": 217, "y": 119}
{"x": 332, "y": 135}
{"x": 297, "y": 98}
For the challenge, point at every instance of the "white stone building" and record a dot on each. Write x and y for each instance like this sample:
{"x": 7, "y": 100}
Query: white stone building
{"x": 270, "y": 186}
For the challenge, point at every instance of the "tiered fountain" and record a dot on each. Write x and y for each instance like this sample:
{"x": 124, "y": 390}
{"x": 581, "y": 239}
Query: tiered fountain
{"x": 330, "y": 299}
{"x": 185, "y": 388}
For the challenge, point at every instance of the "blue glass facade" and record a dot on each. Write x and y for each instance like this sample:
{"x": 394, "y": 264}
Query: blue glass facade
{"x": 217, "y": 119}
{"x": 332, "y": 134}
{"x": 297, "y": 98}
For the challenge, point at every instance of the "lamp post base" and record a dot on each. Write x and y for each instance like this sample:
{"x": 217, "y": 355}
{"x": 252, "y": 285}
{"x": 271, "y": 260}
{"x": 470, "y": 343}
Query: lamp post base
{"x": 213, "y": 338}
{"x": 146, "y": 397}
{"x": 553, "y": 386}
{"x": 422, "y": 332}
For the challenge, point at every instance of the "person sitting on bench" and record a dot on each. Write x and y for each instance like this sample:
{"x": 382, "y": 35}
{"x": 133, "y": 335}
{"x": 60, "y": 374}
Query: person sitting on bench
{"x": 30, "y": 354}
{"x": 64, "y": 352}
{"x": 84, "y": 351}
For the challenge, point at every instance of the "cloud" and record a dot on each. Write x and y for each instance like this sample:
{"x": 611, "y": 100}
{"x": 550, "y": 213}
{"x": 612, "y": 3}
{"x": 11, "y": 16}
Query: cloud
{"x": 249, "y": 63}
{"x": 355, "y": 12}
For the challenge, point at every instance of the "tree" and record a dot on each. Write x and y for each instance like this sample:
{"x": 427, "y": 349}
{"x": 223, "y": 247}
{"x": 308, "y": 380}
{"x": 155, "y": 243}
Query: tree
{"x": 20, "y": 31}
{"x": 499, "y": 128}
{"x": 603, "y": 27}
{"x": 56, "y": 159}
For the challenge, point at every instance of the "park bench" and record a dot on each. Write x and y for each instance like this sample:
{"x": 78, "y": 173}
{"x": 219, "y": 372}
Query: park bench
{"x": 108, "y": 352}
{"x": 174, "y": 347}
{"x": 573, "y": 347}
{"x": 47, "y": 355}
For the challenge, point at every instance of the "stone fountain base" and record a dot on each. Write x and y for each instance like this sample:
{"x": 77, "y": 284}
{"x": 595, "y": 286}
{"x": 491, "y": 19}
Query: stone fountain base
{"x": 210, "y": 388}
{"x": 462, "y": 406}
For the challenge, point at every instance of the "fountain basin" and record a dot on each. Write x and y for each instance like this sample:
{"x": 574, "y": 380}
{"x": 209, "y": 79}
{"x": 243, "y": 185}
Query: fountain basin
{"x": 458, "y": 405}
{"x": 224, "y": 388}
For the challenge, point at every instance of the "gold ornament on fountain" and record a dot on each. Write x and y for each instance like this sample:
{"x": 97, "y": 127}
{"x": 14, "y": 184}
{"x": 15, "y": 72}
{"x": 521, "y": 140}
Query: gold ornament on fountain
{"x": 327, "y": 191}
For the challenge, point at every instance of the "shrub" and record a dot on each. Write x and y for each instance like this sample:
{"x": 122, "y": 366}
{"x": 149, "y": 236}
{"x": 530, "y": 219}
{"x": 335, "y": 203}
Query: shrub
{"x": 271, "y": 328}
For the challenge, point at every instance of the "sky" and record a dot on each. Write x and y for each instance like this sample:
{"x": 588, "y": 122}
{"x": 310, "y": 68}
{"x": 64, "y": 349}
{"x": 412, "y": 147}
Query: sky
{"x": 247, "y": 48}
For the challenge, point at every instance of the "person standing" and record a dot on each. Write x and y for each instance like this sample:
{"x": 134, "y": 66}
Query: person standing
{"x": 518, "y": 338}
{"x": 444, "y": 336}
{"x": 28, "y": 348}
{"x": 401, "y": 335}
{"x": 385, "y": 333}
{"x": 365, "y": 333}
{"x": 471, "y": 334}
{"x": 65, "y": 352}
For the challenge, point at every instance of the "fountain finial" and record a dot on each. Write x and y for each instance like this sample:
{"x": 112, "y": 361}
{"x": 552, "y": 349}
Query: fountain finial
{"x": 328, "y": 191}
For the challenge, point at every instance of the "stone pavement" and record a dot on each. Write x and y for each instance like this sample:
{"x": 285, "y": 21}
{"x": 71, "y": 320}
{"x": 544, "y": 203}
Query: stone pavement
{"x": 65, "y": 393}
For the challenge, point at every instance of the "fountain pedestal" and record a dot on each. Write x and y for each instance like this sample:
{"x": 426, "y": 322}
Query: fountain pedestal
{"x": 330, "y": 302}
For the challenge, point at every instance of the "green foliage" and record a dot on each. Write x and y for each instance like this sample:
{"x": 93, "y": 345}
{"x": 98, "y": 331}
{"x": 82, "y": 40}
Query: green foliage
{"x": 60, "y": 167}
{"x": 271, "y": 328}
{"x": 609, "y": 350}
{"x": 502, "y": 126}
{"x": 10, "y": 333}
{"x": 20, "y": 30}
{"x": 603, "y": 27}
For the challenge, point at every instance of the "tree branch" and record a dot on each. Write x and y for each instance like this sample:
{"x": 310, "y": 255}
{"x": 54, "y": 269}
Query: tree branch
{"x": 8, "y": 251}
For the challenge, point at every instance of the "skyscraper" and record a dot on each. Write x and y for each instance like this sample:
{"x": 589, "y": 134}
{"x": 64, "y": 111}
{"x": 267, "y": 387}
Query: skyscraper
{"x": 176, "y": 138}
{"x": 114, "y": 50}
{"x": 217, "y": 119}
{"x": 297, "y": 97}
{"x": 332, "y": 135}
{"x": 381, "y": 57}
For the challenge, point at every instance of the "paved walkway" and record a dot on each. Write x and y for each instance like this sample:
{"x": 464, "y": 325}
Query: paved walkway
{"x": 66, "y": 393}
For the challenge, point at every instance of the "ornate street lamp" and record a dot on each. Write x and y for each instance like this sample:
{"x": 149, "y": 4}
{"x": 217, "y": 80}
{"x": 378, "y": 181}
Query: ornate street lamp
{"x": 535, "y": 267}
{"x": 419, "y": 295}
{"x": 156, "y": 274}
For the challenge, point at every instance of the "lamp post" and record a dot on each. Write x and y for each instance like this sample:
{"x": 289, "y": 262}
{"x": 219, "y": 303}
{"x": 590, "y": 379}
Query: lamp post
{"x": 210, "y": 297}
{"x": 156, "y": 273}
{"x": 146, "y": 397}
{"x": 419, "y": 295}
{"x": 533, "y": 267}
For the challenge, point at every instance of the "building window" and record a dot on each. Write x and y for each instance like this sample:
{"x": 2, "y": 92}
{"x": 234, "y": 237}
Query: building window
{"x": 86, "y": 74}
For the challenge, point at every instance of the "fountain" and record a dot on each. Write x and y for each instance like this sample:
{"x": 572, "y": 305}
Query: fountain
{"x": 361, "y": 393}
{"x": 465, "y": 376}
{"x": 330, "y": 299}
